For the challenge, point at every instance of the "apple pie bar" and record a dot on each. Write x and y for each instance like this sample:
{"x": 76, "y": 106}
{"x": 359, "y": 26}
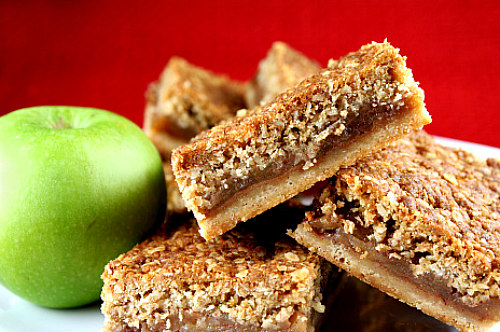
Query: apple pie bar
{"x": 242, "y": 281}
{"x": 248, "y": 164}
{"x": 283, "y": 67}
{"x": 420, "y": 222}
{"x": 187, "y": 100}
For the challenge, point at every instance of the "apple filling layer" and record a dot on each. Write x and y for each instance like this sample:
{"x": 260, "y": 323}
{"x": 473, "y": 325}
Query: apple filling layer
{"x": 360, "y": 103}
{"x": 422, "y": 223}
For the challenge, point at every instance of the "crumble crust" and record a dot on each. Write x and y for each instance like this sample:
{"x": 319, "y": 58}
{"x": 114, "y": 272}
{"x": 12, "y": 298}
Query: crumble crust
{"x": 187, "y": 100}
{"x": 360, "y": 93}
{"x": 265, "y": 282}
{"x": 283, "y": 67}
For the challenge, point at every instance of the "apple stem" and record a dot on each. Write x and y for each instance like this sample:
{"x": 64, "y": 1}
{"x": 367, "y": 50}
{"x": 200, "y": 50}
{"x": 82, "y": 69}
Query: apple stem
{"x": 60, "y": 124}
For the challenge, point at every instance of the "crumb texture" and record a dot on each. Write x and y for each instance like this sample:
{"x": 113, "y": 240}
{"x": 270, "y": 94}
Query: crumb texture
{"x": 358, "y": 93}
{"x": 177, "y": 276}
{"x": 433, "y": 207}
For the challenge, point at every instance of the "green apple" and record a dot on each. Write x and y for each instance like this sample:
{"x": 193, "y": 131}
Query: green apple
{"x": 78, "y": 186}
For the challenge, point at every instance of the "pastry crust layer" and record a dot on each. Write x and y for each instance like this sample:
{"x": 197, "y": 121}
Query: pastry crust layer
{"x": 360, "y": 104}
{"x": 255, "y": 199}
{"x": 420, "y": 222}
{"x": 183, "y": 84}
{"x": 414, "y": 292}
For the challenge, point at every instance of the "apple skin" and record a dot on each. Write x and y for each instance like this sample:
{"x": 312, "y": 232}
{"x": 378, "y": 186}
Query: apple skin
{"x": 78, "y": 187}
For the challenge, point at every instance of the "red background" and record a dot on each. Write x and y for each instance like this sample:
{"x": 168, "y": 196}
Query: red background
{"x": 104, "y": 53}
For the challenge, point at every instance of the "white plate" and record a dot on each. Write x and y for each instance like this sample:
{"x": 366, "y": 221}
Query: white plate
{"x": 17, "y": 315}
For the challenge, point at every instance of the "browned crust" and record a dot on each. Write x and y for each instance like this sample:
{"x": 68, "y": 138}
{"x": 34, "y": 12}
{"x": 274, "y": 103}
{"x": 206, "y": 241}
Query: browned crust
{"x": 202, "y": 167}
{"x": 282, "y": 68}
{"x": 421, "y": 222}
{"x": 178, "y": 271}
{"x": 187, "y": 100}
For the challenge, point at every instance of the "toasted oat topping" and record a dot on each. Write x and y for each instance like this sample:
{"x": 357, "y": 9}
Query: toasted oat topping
{"x": 252, "y": 279}
{"x": 366, "y": 87}
{"x": 434, "y": 207}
